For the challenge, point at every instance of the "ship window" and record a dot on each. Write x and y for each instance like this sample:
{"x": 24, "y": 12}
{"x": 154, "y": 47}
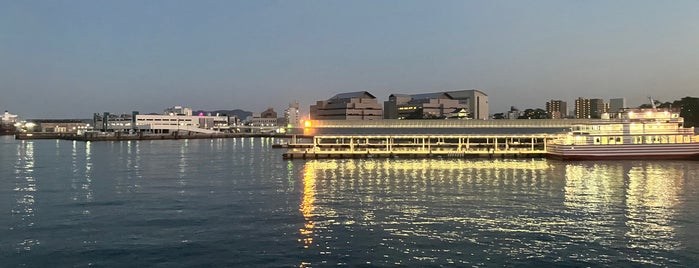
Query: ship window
{"x": 597, "y": 141}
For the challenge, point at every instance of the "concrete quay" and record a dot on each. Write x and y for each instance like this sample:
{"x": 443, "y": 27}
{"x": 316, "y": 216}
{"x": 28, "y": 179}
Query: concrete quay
{"x": 112, "y": 136}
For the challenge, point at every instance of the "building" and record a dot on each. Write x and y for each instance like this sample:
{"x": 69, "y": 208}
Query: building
{"x": 168, "y": 123}
{"x": 615, "y": 105}
{"x": 178, "y": 110}
{"x": 359, "y": 105}
{"x": 71, "y": 126}
{"x": 589, "y": 108}
{"x": 292, "y": 116}
{"x": 107, "y": 122}
{"x": 174, "y": 119}
{"x": 597, "y": 108}
{"x": 9, "y": 119}
{"x": 557, "y": 109}
{"x": 266, "y": 120}
{"x": 475, "y": 100}
{"x": 422, "y": 106}
{"x": 513, "y": 113}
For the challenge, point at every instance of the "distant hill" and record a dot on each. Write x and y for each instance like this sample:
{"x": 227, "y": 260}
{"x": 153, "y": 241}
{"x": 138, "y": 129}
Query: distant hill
{"x": 241, "y": 114}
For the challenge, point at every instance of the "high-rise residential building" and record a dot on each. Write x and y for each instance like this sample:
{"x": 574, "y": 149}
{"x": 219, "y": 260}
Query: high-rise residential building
{"x": 292, "y": 116}
{"x": 589, "y": 108}
{"x": 359, "y": 105}
{"x": 616, "y": 104}
{"x": 557, "y": 109}
{"x": 597, "y": 108}
{"x": 582, "y": 108}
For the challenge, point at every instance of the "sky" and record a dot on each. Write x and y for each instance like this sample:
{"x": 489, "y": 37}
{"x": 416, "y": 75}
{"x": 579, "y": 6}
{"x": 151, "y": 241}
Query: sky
{"x": 73, "y": 58}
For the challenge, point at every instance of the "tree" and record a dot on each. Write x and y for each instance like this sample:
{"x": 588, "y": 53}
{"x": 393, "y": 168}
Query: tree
{"x": 534, "y": 114}
{"x": 689, "y": 110}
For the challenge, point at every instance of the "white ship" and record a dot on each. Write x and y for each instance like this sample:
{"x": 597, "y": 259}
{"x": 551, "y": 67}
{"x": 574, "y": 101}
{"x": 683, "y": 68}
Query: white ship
{"x": 635, "y": 134}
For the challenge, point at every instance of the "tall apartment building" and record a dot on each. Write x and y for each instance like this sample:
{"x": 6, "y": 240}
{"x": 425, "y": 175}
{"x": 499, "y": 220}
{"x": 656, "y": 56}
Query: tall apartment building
{"x": 292, "y": 115}
{"x": 589, "y": 108}
{"x": 359, "y": 105}
{"x": 557, "y": 109}
{"x": 616, "y": 104}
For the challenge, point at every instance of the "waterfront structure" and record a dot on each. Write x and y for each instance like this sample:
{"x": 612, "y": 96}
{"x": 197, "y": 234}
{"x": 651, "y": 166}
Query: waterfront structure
{"x": 107, "y": 122}
{"x": 168, "y": 123}
{"x": 68, "y": 126}
{"x": 8, "y": 123}
{"x": 557, "y": 109}
{"x": 419, "y": 146}
{"x": 637, "y": 134}
{"x": 359, "y": 105}
{"x": 442, "y": 127}
{"x": 589, "y": 108}
{"x": 421, "y": 106}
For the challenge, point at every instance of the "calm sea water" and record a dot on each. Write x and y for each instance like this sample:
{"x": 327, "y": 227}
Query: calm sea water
{"x": 236, "y": 202}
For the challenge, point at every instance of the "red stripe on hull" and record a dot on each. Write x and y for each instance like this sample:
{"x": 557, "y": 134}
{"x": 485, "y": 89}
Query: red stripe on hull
{"x": 624, "y": 157}
{"x": 623, "y": 152}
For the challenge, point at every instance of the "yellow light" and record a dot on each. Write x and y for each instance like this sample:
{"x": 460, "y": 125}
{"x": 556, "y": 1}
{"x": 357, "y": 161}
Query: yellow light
{"x": 307, "y": 123}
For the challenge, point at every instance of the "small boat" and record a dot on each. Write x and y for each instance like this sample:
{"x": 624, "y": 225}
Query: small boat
{"x": 633, "y": 134}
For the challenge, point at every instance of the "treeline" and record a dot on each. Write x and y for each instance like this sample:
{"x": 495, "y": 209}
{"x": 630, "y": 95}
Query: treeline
{"x": 688, "y": 107}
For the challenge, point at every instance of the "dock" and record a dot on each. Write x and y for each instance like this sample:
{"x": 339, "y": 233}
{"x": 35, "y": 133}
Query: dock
{"x": 421, "y": 146}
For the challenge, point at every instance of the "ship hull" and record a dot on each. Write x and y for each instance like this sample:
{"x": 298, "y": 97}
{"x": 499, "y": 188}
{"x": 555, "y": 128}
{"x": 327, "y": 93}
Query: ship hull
{"x": 624, "y": 151}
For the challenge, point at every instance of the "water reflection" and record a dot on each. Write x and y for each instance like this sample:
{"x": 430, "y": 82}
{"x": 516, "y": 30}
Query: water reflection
{"x": 24, "y": 190}
{"x": 81, "y": 180}
{"x": 474, "y": 212}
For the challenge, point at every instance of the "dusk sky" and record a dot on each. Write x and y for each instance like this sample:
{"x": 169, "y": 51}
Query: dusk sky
{"x": 69, "y": 59}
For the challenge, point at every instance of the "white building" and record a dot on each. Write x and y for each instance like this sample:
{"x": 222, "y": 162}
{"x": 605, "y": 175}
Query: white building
{"x": 476, "y": 101}
{"x": 181, "y": 123}
{"x": 292, "y": 115}
{"x": 178, "y": 110}
{"x": 8, "y": 118}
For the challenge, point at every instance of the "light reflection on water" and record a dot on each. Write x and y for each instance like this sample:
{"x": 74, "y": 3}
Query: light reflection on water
{"x": 236, "y": 202}
{"x": 24, "y": 190}
{"x": 477, "y": 212}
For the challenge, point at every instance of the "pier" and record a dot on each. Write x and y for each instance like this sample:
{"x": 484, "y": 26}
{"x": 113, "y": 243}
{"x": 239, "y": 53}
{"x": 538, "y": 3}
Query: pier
{"x": 420, "y": 146}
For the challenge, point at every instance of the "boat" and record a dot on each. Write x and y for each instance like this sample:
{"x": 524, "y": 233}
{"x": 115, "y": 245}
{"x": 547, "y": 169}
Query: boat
{"x": 633, "y": 134}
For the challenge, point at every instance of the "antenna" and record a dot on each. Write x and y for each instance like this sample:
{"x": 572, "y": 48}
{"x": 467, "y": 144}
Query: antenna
{"x": 652, "y": 103}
